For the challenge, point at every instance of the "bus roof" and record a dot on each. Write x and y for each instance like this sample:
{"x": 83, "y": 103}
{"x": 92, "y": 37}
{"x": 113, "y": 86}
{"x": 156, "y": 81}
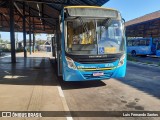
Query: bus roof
{"x": 98, "y": 7}
{"x": 92, "y": 11}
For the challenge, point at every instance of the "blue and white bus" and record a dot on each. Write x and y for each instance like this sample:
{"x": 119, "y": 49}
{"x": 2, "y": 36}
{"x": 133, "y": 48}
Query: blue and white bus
{"x": 92, "y": 45}
{"x": 141, "y": 46}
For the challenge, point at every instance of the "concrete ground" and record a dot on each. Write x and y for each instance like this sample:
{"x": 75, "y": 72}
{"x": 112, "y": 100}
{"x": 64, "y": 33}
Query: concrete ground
{"x": 138, "y": 91}
{"x": 31, "y": 85}
{"x": 148, "y": 59}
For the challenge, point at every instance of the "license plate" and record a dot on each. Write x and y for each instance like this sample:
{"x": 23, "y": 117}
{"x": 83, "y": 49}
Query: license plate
{"x": 98, "y": 74}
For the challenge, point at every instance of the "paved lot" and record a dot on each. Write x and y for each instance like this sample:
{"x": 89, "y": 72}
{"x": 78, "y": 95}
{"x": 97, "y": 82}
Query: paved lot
{"x": 139, "y": 90}
{"x": 31, "y": 85}
{"x": 148, "y": 59}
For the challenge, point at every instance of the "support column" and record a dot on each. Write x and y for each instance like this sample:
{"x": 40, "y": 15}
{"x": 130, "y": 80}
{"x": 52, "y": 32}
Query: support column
{"x": 33, "y": 42}
{"x": 12, "y": 36}
{"x": 42, "y": 15}
{"x": 30, "y": 44}
{"x": 24, "y": 31}
{"x": 33, "y": 36}
{"x": 53, "y": 47}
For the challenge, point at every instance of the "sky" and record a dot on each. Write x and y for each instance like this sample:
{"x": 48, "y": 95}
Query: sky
{"x": 129, "y": 9}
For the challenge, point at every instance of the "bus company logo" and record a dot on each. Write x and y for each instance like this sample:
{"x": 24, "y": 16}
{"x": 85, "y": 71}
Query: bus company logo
{"x": 85, "y": 67}
{"x": 79, "y": 67}
{"x": 6, "y": 114}
{"x": 109, "y": 65}
{"x": 98, "y": 56}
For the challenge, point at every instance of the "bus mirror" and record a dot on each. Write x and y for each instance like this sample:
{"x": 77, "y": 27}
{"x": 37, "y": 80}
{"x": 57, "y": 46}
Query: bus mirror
{"x": 123, "y": 20}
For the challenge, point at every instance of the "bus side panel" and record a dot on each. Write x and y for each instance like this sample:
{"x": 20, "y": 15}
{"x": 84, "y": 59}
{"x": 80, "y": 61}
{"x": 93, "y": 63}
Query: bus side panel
{"x": 130, "y": 49}
{"x": 140, "y": 50}
{"x": 157, "y": 52}
{"x": 144, "y": 50}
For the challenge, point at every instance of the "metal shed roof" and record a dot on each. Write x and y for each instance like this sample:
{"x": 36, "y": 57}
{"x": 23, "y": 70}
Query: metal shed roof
{"x": 43, "y": 13}
{"x": 145, "y": 26}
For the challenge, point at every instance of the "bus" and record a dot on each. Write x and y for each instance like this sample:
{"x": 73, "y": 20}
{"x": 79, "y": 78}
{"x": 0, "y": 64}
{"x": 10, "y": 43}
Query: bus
{"x": 141, "y": 46}
{"x": 92, "y": 45}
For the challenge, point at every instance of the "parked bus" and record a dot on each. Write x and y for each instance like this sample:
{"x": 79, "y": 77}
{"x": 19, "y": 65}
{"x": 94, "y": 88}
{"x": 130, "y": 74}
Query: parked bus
{"x": 141, "y": 46}
{"x": 92, "y": 45}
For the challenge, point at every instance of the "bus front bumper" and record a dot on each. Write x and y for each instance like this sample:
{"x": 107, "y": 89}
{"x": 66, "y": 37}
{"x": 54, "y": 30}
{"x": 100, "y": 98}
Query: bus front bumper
{"x": 77, "y": 75}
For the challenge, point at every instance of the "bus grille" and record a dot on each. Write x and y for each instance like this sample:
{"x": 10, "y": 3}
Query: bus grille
{"x": 96, "y": 69}
{"x": 90, "y": 76}
{"x": 94, "y": 61}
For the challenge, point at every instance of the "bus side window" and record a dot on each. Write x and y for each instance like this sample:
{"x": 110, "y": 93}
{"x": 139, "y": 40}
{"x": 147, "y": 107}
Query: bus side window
{"x": 133, "y": 43}
{"x": 129, "y": 43}
{"x": 147, "y": 42}
{"x": 136, "y": 43}
{"x": 142, "y": 43}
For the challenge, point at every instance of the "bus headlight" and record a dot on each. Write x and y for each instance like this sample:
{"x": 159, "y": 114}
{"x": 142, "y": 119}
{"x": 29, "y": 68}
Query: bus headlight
{"x": 121, "y": 61}
{"x": 71, "y": 63}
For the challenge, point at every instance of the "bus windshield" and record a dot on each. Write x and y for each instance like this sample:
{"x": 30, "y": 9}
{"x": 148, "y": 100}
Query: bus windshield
{"x": 89, "y": 36}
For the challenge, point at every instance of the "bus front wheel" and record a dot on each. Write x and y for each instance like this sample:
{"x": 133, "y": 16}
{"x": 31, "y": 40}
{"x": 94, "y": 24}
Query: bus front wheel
{"x": 133, "y": 53}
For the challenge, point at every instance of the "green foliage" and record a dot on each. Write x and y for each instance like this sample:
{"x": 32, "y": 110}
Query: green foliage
{"x": 40, "y": 42}
{"x": 130, "y": 58}
{"x": 19, "y": 50}
{"x": 149, "y": 62}
{"x": 3, "y": 41}
{"x": 6, "y": 50}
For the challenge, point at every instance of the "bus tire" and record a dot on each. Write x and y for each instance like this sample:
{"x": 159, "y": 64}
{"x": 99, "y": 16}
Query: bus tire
{"x": 133, "y": 53}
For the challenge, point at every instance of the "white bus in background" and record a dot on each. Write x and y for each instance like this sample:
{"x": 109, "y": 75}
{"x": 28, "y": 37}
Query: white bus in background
{"x": 141, "y": 46}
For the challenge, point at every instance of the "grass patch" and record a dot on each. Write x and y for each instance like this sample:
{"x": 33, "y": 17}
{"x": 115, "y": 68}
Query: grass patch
{"x": 131, "y": 58}
{"x": 149, "y": 62}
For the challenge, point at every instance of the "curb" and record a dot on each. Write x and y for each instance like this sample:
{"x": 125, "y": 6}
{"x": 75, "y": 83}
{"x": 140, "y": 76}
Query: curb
{"x": 141, "y": 63}
{"x": 153, "y": 56}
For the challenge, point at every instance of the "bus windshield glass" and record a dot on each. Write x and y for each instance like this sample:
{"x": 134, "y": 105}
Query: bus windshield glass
{"x": 89, "y": 36}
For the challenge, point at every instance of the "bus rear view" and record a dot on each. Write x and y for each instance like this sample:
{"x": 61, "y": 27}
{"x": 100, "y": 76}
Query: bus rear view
{"x": 93, "y": 44}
